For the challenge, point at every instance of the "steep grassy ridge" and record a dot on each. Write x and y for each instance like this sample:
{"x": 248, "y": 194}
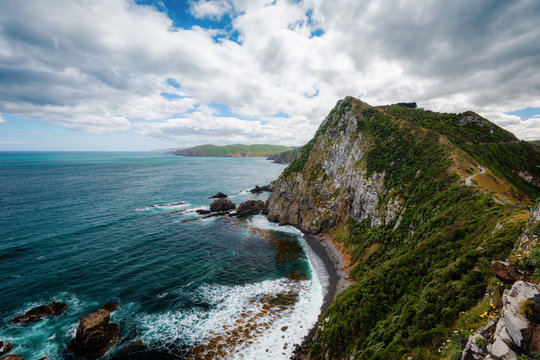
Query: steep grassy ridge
{"x": 421, "y": 243}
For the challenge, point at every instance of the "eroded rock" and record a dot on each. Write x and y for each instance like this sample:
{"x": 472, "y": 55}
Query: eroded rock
{"x": 222, "y": 205}
{"x": 94, "y": 335}
{"x": 40, "y": 312}
{"x": 250, "y": 207}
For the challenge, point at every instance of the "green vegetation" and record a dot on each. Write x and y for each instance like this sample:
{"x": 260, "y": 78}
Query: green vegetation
{"x": 237, "y": 150}
{"x": 286, "y": 157}
{"x": 488, "y": 144}
{"x": 418, "y": 281}
{"x": 535, "y": 142}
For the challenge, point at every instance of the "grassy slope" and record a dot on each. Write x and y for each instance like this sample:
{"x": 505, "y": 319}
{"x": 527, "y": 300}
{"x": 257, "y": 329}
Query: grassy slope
{"x": 259, "y": 150}
{"x": 409, "y": 293}
{"x": 286, "y": 157}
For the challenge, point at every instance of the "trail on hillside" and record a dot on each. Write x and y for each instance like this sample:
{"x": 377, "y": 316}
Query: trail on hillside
{"x": 468, "y": 181}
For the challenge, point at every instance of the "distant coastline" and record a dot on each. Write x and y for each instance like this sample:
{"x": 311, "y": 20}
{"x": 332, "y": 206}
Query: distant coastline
{"x": 236, "y": 150}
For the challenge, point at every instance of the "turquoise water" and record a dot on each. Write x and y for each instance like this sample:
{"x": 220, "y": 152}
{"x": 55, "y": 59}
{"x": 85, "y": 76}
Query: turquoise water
{"x": 94, "y": 228}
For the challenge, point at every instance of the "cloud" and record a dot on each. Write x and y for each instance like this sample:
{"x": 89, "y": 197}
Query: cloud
{"x": 212, "y": 9}
{"x": 103, "y": 65}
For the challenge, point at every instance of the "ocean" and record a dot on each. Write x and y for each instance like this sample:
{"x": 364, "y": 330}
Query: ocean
{"x": 94, "y": 228}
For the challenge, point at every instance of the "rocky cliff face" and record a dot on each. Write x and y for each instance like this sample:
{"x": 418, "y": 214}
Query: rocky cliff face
{"x": 333, "y": 184}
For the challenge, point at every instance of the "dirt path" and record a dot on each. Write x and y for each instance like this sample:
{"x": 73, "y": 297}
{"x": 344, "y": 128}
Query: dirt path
{"x": 468, "y": 181}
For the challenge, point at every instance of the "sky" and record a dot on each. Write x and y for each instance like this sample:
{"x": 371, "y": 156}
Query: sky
{"x": 149, "y": 74}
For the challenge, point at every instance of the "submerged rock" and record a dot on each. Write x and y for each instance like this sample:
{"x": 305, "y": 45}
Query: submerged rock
{"x": 39, "y": 312}
{"x": 222, "y": 205}
{"x": 134, "y": 344}
{"x": 219, "y": 195}
{"x": 94, "y": 335}
{"x": 5, "y": 347}
{"x": 250, "y": 207}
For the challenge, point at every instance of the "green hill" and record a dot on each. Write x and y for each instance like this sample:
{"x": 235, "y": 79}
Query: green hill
{"x": 237, "y": 150}
{"x": 535, "y": 142}
{"x": 387, "y": 185}
{"x": 286, "y": 157}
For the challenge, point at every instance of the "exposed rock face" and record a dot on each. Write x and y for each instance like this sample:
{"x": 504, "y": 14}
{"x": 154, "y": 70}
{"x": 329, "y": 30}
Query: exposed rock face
{"x": 506, "y": 272}
{"x": 250, "y": 207}
{"x": 94, "y": 335}
{"x": 5, "y": 347}
{"x": 219, "y": 195}
{"x": 222, "y": 205}
{"x": 333, "y": 183}
{"x": 203, "y": 212}
{"x": 39, "y": 312}
{"x": 515, "y": 333}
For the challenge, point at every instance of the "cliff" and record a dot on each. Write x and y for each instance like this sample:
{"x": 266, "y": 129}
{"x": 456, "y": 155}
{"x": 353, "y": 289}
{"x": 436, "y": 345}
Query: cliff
{"x": 388, "y": 184}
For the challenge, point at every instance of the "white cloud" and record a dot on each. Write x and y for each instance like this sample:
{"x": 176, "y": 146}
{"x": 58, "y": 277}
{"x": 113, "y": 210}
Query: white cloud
{"x": 212, "y": 9}
{"x": 101, "y": 66}
{"x": 2, "y": 119}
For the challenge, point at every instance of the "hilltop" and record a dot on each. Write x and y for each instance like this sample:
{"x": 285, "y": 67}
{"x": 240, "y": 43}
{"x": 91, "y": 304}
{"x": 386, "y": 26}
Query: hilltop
{"x": 387, "y": 185}
{"x": 237, "y": 150}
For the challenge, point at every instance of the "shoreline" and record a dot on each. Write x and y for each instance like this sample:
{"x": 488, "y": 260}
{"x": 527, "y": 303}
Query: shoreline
{"x": 338, "y": 281}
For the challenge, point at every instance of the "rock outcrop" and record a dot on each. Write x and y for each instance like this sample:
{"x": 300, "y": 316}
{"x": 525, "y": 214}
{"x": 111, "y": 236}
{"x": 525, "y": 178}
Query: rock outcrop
{"x": 203, "y": 211}
{"x": 331, "y": 185}
{"x": 94, "y": 335}
{"x": 259, "y": 189}
{"x": 40, "y": 312}
{"x": 12, "y": 357}
{"x": 506, "y": 272}
{"x": 222, "y": 205}
{"x": 250, "y": 207}
{"x": 515, "y": 333}
{"x": 219, "y": 195}
{"x": 5, "y": 347}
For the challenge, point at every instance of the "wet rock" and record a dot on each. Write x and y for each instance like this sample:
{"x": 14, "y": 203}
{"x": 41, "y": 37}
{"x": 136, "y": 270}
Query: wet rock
{"x": 222, "y": 205}
{"x": 12, "y": 357}
{"x": 134, "y": 344}
{"x": 94, "y": 335}
{"x": 284, "y": 328}
{"x": 110, "y": 307}
{"x": 506, "y": 272}
{"x": 256, "y": 190}
{"x": 250, "y": 207}
{"x": 5, "y": 347}
{"x": 259, "y": 189}
{"x": 203, "y": 211}
{"x": 219, "y": 195}
{"x": 39, "y": 312}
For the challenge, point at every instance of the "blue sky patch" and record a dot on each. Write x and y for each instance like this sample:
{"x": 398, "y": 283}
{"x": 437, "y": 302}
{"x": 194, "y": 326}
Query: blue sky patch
{"x": 173, "y": 83}
{"x": 525, "y": 113}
